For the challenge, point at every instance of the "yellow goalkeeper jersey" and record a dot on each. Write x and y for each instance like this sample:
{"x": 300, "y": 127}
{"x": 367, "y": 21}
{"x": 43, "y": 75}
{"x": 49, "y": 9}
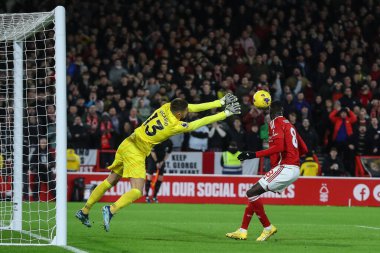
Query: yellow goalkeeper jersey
{"x": 130, "y": 156}
{"x": 162, "y": 124}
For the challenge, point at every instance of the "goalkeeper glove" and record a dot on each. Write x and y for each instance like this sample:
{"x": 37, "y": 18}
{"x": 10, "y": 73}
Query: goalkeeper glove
{"x": 228, "y": 99}
{"x": 246, "y": 155}
{"x": 232, "y": 109}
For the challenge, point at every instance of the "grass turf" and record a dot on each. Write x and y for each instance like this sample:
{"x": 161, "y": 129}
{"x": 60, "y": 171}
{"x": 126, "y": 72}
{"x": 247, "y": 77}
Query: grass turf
{"x": 190, "y": 228}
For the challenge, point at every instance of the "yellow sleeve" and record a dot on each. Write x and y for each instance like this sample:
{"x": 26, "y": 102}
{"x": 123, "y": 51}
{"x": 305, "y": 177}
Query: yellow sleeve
{"x": 184, "y": 127}
{"x": 204, "y": 106}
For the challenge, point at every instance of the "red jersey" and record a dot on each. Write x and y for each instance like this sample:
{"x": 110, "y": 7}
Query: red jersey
{"x": 285, "y": 144}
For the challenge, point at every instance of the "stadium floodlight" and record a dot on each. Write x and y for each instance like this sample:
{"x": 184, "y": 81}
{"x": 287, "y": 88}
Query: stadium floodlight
{"x": 33, "y": 110}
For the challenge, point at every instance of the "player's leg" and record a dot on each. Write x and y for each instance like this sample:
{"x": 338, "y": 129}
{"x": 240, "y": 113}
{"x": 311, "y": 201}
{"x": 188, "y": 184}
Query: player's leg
{"x": 147, "y": 186}
{"x": 242, "y": 232}
{"x": 95, "y": 196}
{"x": 137, "y": 185}
{"x": 157, "y": 186}
{"x": 134, "y": 169}
{"x": 276, "y": 180}
{"x": 257, "y": 206}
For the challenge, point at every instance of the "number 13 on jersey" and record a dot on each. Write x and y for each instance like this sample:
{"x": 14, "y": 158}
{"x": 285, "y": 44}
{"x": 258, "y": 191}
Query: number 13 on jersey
{"x": 152, "y": 126}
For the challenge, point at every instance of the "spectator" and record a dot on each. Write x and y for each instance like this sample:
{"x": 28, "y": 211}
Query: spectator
{"x": 230, "y": 163}
{"x": 92, "y": 124}
{"x": 198, "y": 140}
{"x": 309, "y": 135}
{"x": 144, "y": 110}
{"x": 360, "y": 142}
{"x": 347, "y": 100}
{"x": 301, "y": 102}
{"x": 42, "y": 165}
{"x": 297, "y": 81}
{"x": 106, "y": 131}
{"x": 51, "y": 130}
{"x": 365, "y": 95}
{"x": 332, "y": 165}
{"x": 343, "y": 119}
{"x": 309, "y": 167}
{"x": 78, "y": 134}
{"x": 216, "y": 137}
{"x": 32, "y": 129}
{"x": 253, "y": 140}
{"x": 133, "y": 120}
{"x": 177, "y": 141}
{"x": 126, "y": 131}
{"x": 73, "y": 113}
{"x": 140, "y": 96}
{"x": 116, "y": 72}
{"x": 374, "y": 135}
{"x": 207, "y": 95}
{"x": 289, "y": 104}
{"x": 115, "y": 120}
{"x": 236, "y": 133}
{"x": 253, "y": 117}
{"x": 244, "y": 88}
{"x": 132, "y": 66}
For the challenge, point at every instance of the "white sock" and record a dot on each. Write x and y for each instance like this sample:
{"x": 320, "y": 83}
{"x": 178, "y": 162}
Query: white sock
{"x": 243, "y": 230}
{"x": 268, "y": 228}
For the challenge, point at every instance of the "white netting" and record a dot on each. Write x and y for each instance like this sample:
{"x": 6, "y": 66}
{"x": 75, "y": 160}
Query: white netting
{"x": 36, "y": 32}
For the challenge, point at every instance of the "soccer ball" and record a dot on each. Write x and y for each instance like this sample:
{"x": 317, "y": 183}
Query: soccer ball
{"x": 262, "y": 99}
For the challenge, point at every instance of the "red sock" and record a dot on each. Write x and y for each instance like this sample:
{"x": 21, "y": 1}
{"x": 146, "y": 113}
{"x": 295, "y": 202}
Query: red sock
{"x": 247, "y": 216}
{"x": 258, "y": 208}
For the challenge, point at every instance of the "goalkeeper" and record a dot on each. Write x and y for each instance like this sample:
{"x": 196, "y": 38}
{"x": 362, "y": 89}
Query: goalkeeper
{"x": 130, "y": 156}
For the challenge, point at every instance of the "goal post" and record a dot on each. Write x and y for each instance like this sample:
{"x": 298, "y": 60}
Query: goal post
{"x": 33, "y": 128}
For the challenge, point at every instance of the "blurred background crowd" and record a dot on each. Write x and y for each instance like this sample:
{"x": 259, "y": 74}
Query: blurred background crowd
{"x": 320, "y": 58}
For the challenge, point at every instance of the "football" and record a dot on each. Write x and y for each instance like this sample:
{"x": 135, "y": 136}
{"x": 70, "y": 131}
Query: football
{"x": 262, "y": 99}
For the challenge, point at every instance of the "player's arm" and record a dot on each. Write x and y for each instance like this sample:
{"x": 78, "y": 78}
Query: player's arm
{"x": 277, "y": 145}
{"x": 231, "y": 109}
{"x": 302, "y": 148}
{"x": 227, "y": 99}
{"x": 204, "y": 106}
{"x": 191, "y": 126}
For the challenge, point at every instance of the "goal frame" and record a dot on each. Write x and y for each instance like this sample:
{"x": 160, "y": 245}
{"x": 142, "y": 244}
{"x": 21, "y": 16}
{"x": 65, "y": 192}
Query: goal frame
{"x": 60, "y": 238}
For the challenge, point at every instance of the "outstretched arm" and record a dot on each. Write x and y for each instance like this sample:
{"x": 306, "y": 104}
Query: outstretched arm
{"x": 204, "y": 106}
{"x": 227, "y": 99}
{"x": 230, "y": 110}
{"x": 204, "y": 121}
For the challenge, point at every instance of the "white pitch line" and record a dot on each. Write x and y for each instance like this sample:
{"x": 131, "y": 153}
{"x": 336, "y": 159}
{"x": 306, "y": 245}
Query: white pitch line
{"x": 67, "y": 247}
{"x": 73, "y": 249}
{"x": 368, "y": 227}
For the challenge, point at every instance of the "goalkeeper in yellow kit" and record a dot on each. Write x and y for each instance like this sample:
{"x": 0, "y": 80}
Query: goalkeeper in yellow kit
{"x": 130, "y": 156}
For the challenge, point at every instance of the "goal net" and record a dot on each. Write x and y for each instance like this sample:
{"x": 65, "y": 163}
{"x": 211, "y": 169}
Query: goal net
{"x": 32, "y": 146}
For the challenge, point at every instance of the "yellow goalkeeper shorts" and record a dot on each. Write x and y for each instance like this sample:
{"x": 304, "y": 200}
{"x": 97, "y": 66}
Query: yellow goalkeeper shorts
{"x": 129, "y": 159}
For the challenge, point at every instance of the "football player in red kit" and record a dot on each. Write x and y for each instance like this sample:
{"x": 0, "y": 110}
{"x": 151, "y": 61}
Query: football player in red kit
{"x": 285, "y": 148}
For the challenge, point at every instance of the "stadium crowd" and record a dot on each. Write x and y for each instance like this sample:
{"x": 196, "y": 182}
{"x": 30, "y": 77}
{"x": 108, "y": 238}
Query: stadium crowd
{"x": 320, "y": 58}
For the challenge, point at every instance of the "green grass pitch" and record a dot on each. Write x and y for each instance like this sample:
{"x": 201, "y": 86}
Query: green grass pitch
{"x": 186, "y": 228}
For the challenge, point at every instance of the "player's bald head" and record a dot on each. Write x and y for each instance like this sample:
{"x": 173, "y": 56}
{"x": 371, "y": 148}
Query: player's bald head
{"x": 276, "y": 109}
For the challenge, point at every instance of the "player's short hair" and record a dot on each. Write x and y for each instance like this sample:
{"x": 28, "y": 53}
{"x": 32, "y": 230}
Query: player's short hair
{"x": 178, "y": 105}
{"x": 276, "y": 109}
